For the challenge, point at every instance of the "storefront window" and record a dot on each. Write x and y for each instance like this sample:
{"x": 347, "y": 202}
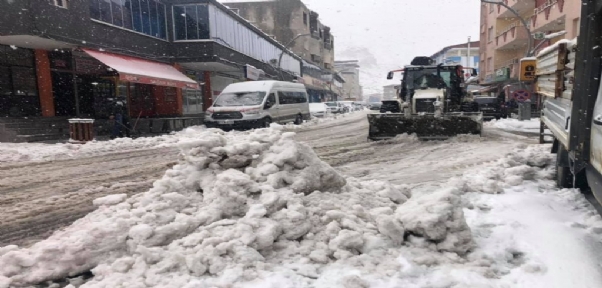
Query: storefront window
{"x": 191, "y": 22}
{"x": 193, "y": 101}
{"x": 104, "y": 92}
{"x": 144, "y": 16}
{"x": 171, "y": 94}
{"x": 142, "y": 101}
{"x": 18, "y": 83}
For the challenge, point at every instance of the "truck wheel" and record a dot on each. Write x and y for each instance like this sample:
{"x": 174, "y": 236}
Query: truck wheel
{"x": 564, "y": 177}
{"x": 298, "y": 120}
{"x": 267, "y": 122}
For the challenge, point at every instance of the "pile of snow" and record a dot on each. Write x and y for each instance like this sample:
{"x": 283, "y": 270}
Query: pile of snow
{"x": 514, "y": 125}
{"x": 253, "y": 207}
{"x": 257, "y": 209}
{"x": 11, "y": 152}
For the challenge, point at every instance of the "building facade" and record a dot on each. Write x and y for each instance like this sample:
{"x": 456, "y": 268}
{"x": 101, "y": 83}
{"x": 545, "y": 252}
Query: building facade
{"x": 285, "y": 20}
{"x": 504, "y": 39}
{"x": 459, "y": 54}
{"x": 374, "y": 98}
{"x": 350, "y": 71}
{"x": 164, "y": 58}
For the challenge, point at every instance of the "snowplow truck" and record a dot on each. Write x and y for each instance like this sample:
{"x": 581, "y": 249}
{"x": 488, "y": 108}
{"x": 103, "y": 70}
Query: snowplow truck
{"x": 434, "y": 104}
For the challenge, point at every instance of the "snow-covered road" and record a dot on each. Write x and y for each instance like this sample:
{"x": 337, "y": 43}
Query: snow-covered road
{"x": 525, "y": 232}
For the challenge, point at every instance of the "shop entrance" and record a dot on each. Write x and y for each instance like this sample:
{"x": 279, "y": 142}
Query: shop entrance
{"x": 63, "y": 93}
{"x": 85, "y": 95}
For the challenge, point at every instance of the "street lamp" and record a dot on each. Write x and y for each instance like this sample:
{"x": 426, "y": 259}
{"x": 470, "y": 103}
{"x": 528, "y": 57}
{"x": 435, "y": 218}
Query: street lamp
{"x": 529, "y": 36}
{"x": 286, "y": 48}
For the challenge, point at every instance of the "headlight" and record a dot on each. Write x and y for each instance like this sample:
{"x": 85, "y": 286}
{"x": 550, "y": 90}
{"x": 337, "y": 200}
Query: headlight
{"x": 252, "y": 112}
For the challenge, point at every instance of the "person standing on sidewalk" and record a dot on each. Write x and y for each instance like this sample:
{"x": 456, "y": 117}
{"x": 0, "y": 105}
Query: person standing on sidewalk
{"x": 121, "y": 120}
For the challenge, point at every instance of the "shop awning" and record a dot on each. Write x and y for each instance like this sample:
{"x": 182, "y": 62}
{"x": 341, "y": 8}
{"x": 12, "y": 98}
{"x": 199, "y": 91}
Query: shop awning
{"x": 142, "y": 71}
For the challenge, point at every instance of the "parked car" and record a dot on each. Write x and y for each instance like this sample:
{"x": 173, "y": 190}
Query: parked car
{"x": 319, "y": 109}
{"x": 257, "y": 104}
{"x": 335, "y": 107}
{"x": 492, "y": 107}
{"x": 358, "y": 106}
{"x": 348, "y": 106}
{"x": 375, "y": 106}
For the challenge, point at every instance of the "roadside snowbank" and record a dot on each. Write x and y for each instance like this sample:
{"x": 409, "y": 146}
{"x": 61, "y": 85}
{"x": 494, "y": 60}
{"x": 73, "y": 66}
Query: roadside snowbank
{"x": 532, "y": 234}
{"x": 514, "y": 125}
{"x": 243, "y": 208}
{"x": 20, "y": 152}
{"x": 320, "y": 120}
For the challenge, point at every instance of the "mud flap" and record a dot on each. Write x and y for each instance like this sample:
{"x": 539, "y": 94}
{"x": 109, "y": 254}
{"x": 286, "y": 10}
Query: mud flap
{"x": 426, "y": 127}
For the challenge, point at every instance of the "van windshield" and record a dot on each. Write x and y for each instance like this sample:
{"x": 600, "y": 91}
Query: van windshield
{"x": 239, "y": 99}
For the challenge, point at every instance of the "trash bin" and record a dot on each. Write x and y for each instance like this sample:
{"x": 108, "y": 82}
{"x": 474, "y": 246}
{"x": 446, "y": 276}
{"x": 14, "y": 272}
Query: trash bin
{"x": 81, "y": 130}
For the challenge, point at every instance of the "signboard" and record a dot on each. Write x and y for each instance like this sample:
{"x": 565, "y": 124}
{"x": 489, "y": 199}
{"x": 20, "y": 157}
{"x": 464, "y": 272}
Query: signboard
{"x": 539, "y": 35}
{"x": 527, "y": 70}
{"x": 315, "y": 83}
{"x": 252, "y": 73}
{"x": 522, "y": 95}
{"x": 502, "y": 74}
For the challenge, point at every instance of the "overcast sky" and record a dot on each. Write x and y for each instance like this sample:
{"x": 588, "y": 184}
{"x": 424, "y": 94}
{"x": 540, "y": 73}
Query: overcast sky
{"x": 387, "y": 34}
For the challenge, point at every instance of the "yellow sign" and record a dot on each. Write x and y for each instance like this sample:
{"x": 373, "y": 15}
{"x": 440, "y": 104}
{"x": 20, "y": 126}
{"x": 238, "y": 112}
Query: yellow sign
{"x": 527, "y": 70}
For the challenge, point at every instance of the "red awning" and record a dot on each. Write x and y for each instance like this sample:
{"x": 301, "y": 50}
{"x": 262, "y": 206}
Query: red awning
{"x": 144, "y": 71}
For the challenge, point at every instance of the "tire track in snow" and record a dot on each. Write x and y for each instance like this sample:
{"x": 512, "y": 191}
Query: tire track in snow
{"x": 36, "y": 200}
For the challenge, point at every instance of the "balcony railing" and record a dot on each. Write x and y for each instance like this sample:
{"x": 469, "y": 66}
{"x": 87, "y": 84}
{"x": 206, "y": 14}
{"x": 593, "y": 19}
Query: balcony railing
{"x": 315, "y": 34}
{"x": 546, "y": 14}
{"x": 511, "y": 38}
{"x": 517, "y": 5}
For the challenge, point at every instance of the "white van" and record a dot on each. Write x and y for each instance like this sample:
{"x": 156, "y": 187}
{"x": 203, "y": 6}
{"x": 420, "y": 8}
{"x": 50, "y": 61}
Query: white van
{"x": 256, "y": 104}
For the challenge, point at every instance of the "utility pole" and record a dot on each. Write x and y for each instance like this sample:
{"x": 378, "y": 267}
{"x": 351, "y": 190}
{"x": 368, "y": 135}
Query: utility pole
{"x": 468, "y": 54}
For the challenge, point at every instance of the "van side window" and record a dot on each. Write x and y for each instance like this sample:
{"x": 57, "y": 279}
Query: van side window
{"x": 285, "y": 98}
{"x": 272, "y": 98}
{"x": 301, "y": 97}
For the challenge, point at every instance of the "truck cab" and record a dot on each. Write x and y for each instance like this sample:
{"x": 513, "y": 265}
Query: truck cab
{"x": 424, "y": 84}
